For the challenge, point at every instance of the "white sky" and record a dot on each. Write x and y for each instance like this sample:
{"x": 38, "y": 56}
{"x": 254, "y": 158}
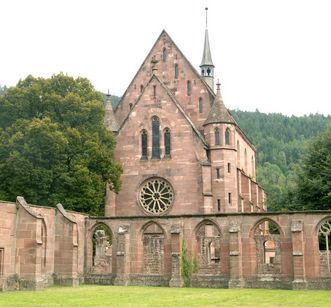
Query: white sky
{"x": 271, "y": 55}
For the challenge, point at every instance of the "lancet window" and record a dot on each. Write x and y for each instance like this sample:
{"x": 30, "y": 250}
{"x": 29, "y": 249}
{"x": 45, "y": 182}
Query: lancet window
{"x": 144, "y": 152}
{"x": 167, "y": 142}
{"x": 155, "y": 137}
{"x": 217, "y": 136}
{"x": 227, "y": 136}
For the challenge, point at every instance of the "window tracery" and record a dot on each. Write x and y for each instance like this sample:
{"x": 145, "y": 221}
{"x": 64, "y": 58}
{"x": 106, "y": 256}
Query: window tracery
{"x": 156, "y": 196}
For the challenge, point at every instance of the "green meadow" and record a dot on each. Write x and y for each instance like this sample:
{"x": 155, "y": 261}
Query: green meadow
{"x": 156, "y": 296}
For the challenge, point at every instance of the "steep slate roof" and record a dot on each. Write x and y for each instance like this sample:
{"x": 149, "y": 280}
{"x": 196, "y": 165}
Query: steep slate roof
{"x": 175, "y": 101}
{"x": 218, "y": 112}
{"x": 110, "y": 119}
{"x": 206, "y": 57}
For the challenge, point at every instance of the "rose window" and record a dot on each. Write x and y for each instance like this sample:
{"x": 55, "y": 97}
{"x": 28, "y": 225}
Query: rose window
{"x": 156, "y": 195}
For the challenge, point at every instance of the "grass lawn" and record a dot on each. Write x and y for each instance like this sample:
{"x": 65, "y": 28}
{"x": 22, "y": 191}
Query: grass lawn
{"x": 86, "y": 295}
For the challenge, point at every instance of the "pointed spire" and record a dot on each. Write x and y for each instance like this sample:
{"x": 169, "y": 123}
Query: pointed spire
{"x": 110, "y": 119}
{"x": 206, "y": 56}
{"x": 207, "y": 66}
{"x": 218, "y": 112}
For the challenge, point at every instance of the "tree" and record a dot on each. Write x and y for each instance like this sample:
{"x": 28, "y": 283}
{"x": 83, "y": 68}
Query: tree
{"x": 314, "y": 174}
{"x": 2, "y": 89}
{"x": 53, "y": 144}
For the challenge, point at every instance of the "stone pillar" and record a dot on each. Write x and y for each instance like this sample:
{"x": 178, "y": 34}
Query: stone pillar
{"x": 176, "y": 264}
{"x": 123, "y": 256}
{"x": 28, "y": 246}
{"x": 66, "y": 249}
{"x": 299, "y": 274}
{"x": 235, "y": 250}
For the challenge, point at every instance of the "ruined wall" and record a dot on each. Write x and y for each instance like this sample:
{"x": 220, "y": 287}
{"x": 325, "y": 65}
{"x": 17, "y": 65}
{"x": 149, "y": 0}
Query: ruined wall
{"x": 35, "y": 248}
{"x": 229, "y": 248}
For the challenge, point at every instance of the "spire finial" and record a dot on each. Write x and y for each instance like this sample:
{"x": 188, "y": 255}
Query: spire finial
{"x": 218, "y": 84}
{"x": 206, "y": 8}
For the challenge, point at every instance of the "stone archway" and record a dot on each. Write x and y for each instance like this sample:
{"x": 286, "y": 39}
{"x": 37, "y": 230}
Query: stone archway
{"x": 208, "y": 251}
{"x": 153, "y": 249}
{"x": 102, "y": 240}
{"x": 267, "y": 238}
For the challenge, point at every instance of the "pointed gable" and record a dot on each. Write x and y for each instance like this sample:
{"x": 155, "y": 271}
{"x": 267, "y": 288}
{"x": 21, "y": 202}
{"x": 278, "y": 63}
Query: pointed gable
{"x": 169, "y": 59}
{"x": 173, "y": 99}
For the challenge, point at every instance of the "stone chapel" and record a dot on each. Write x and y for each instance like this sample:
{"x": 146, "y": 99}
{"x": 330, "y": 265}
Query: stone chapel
{"x": 189, "y": 181}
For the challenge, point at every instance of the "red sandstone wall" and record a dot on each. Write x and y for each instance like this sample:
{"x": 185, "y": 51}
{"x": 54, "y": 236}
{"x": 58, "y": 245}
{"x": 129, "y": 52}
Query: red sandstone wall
{"x": 182, "y": 170}
{"x": 7, "y": 237}
{"x": 166, "y": 72}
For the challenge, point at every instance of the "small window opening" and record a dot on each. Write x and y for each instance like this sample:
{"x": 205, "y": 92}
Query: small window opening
{"x": 208, "y": 71}
{"x": 217, "y": 136}
{"x": 130, "y": 106}
{"x": 227, "y": 136}
{"x": 189, "y": 88}
{"x": 141, "y": 88}
{"x": 229, "y": 196}
{"x": 229, "y": 167}
{"x": 176, "y": 71}
{"x": 218, "y": 173}
{"x": 200, "y": 105}
{"x": 269, "y": 252}
{"x": 218, "y": 205}
{"x": 154, "y": 90}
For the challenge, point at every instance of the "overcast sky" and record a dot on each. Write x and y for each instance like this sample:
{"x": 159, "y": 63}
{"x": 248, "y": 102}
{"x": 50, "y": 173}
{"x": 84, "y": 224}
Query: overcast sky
{"x": 271, "y": 55}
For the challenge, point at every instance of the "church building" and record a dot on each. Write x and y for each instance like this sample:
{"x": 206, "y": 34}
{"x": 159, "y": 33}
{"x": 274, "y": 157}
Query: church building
{"x": 189, "y": 195}
{"x": 181, "y": 149}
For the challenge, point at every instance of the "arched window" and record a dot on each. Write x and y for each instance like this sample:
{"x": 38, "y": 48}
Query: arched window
{"x": 153, "y": 249}
{"x": 227, "y": 136}
{"x": 164, "y": 54}
{"x": 268, "y": 248}
{"x": 154, "y": 90}
{"x": 167, "y": 142}
{"x": 189, "y": 88}
{"x": 200, "y": 105}
{"x": 176, "y": 71}
{"x": 324, "y": 240}
{"x": 209, "y": 251}
{"x": 130, "y": 106}
{"x": 102, "y": 249}
{"x": 144, "y": 144}
{"x": 155, "y": 138}
{"x": 217, "y": 136}
{"x": 141, "y": 88}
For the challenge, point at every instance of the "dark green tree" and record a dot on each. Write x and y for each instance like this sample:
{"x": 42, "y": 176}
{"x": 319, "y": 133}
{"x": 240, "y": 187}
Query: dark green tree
{"x": 314, "y": 175}
{"x": 53, "y": 144}
{"x": 2, "y": 89}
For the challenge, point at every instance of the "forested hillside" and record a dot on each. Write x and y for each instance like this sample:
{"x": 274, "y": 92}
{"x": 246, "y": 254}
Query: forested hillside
{"x": 280, "y": 140}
